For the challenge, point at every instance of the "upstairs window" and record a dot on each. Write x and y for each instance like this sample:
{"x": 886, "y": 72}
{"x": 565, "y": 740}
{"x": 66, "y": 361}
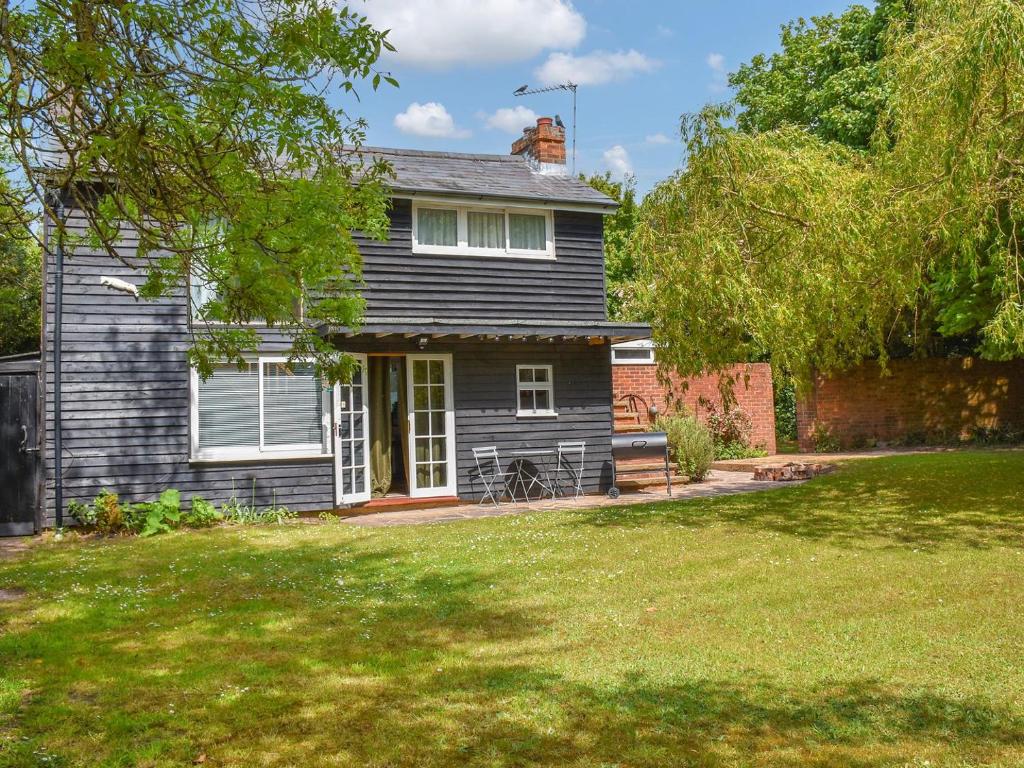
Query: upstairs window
{"x": 535, "y": 394}
{"x": 482, "y": 231}
{"x": 438, "y": 226}
{"x": 269, "y": 409}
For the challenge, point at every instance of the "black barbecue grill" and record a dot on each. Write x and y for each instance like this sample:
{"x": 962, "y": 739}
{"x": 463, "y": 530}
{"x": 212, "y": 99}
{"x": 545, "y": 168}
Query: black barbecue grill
{"x": 638, "y": 445}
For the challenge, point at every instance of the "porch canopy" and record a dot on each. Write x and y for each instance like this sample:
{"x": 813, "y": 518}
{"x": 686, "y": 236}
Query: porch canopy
{"x": 554, "y": 331}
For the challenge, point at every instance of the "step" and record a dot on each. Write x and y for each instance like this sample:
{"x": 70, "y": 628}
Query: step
{"x": 635, "y": 465}
{"x": 631, "y": 428}
{"x": 633, "y": 483}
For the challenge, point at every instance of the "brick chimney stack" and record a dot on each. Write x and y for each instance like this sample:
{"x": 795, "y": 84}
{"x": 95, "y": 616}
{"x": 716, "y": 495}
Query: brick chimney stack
{"x": 543, "y": 147}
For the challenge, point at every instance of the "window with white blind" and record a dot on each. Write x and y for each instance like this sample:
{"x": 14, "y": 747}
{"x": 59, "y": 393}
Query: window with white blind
{"x": 535, "y": 393}
{"x": 482, "y": 231}
{"x": 269, "y": 409}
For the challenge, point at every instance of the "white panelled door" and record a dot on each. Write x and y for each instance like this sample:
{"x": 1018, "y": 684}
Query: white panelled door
{"x": 352, "y": 439}
{"x": 431, "y": 425}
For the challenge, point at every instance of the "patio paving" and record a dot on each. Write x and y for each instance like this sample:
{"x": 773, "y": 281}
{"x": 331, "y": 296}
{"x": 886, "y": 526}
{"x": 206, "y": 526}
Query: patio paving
{"x": 718, "y": 483}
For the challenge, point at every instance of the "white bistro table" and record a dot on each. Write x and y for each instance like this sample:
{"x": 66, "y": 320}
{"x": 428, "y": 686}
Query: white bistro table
{"x": 540, "y": 459}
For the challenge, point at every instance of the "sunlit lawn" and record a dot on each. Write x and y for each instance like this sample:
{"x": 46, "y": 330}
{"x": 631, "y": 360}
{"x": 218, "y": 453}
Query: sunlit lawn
{"x": 873, "y": 617}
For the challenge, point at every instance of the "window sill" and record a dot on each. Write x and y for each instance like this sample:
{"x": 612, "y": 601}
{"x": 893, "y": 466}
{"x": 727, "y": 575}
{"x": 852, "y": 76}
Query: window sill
{"x": 427, "y": 250}
{"x": 536, "y": 414}
{"x": 252, "y": 458}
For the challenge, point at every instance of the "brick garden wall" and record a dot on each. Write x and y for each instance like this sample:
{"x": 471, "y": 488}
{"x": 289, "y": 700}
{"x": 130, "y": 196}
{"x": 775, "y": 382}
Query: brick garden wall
{"x": 936, "y": 400}
{"x": 751, "y": 385}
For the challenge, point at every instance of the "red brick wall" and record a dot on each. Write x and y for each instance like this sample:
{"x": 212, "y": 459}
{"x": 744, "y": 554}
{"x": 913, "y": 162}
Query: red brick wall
{"x": 751, "y": 385}
{"x": 934, "y": 399}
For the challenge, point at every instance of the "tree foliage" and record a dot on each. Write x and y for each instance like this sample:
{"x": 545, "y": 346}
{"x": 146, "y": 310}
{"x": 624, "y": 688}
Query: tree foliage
{"x": 20, "y": 293}
{"x": 20, "y": 287}
{"x": 784, "y": 244}
{"x": 828, "y": 76}
{"x": 620, "y": 262}
{"x": 206, "y": 130}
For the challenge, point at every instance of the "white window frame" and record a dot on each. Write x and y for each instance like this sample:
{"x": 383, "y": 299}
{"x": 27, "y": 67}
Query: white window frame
{"x": 643, "y": 345}
{"x": 194, "y": 311}
{"x": 462, "y": 248}
{"x": 533, "y": 386}
{"x": 262, "y": 452}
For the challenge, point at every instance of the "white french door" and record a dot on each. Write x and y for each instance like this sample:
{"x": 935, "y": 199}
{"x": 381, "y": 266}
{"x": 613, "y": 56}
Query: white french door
{"x": 352, "y": 439}
{"x": 431, "y": 458}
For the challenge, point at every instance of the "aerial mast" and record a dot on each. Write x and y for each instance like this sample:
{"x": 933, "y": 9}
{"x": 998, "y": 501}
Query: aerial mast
{"x": 525, "y": 90}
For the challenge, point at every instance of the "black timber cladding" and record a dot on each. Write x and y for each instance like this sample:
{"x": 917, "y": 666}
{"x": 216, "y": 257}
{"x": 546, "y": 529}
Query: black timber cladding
{"x": 569, "y": 287}
{"x": 126, "y": 381}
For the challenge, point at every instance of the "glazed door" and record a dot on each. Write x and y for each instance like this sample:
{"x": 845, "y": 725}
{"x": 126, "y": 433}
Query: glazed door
{"x": 431, "y": 425}
{"x": 352, "y": 439}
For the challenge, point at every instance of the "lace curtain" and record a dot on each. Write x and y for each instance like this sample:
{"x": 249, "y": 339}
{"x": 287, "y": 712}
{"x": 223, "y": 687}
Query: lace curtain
{"x": 486, "y": 230}
{"x": 437, "y": 227}
{"x": 527, "y": 233}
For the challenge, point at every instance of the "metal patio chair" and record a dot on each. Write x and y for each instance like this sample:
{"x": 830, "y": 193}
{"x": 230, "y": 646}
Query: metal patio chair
{"x": 570, "y": 464}
{"x": 491, "y": 473}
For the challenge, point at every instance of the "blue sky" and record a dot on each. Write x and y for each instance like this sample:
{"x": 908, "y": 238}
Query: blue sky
{"x": 639, "y": 64}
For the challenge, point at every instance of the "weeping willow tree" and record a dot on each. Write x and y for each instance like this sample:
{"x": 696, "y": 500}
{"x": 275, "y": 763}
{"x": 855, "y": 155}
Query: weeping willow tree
{"x": 817, "y": 255}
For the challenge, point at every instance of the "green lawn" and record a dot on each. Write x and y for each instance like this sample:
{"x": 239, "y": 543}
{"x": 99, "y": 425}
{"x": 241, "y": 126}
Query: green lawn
{"x": 872, "y": 617}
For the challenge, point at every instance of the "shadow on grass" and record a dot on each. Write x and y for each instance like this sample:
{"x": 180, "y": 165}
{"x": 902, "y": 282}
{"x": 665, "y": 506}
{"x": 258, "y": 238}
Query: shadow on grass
{"x": 969, "y": 498}
{"x": 256, "y": 651}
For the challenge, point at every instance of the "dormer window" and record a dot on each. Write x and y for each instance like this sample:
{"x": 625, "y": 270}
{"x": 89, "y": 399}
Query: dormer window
{"x": 482, "y": 231}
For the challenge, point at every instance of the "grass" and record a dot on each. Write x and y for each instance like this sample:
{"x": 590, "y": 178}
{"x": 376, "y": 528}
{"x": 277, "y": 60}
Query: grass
{"x": 871, "y": 617}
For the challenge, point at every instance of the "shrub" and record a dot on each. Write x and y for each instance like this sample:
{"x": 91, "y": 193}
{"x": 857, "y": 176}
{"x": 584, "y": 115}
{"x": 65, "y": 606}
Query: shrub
{"x": 690, "y": 444}
{"x": 108, "y": 513}
{"x": 162, "y": 515}
{"x": 785, "y": 408}
{"x": 234, "y": 511}
{"x": 83, "y": 514}
{"x": 202, "y": 514}
{"x": 730, "y": 429}
{"x": 824, "y": 440}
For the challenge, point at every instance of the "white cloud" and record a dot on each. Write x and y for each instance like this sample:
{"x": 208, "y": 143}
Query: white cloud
{"x": 716, "y": 63}
{"x": 657, "y": 138}
{"x": 617, "y": 161}
{"x": 431, "y": 120}
{"x": 662, "y": 31}
{"x": 510, "y": 119}
{"x": 441, "y": 33}
{"x": 593, "y": 68}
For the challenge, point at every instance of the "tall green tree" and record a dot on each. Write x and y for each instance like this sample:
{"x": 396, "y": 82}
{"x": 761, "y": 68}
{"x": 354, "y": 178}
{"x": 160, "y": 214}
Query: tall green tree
{"x": 819, "y": 253}
{"x": 210, "y": 131}
{"x": 620, "y": 262}
{"x": 20, "y": 293}
{"x": 828, "y": 76}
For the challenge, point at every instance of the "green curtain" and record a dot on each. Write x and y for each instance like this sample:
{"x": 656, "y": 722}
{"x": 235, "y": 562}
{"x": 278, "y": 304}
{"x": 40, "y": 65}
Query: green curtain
{"x": 380, "y": 426}
{"x": 403, "y": 420}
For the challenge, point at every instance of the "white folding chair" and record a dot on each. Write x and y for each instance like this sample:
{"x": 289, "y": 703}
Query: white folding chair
{"x": 488, "y": 468}
{"x": 570, "y": 463}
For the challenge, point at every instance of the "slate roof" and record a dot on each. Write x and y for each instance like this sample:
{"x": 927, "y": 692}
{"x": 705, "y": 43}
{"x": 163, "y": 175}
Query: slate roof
{"x": 508, "y": 177}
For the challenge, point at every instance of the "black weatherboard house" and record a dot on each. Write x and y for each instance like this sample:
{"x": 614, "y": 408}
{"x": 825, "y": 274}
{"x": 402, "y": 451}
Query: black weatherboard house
{"x": 485, "y": 325}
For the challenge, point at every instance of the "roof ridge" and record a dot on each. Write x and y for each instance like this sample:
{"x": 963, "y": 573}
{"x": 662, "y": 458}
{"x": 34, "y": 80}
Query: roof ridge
{"x": 442, "y": 154}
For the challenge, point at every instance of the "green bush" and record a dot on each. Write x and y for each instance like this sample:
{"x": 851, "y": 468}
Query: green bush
{"x": 83, "y": 514}
{"x": 690, "y": 444}
{"x": 785, "y": 408}
{"x": 202, "y": 514}
{"x": 108, "y": 513}
{"x": 162, "y": 515}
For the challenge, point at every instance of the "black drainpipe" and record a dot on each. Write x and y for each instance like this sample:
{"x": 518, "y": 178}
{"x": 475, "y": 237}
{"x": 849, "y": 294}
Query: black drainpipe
{"x": 58, "y": 323}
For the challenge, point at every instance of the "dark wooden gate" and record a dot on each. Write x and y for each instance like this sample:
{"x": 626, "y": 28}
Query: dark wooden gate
{"x": 19, "y": 454}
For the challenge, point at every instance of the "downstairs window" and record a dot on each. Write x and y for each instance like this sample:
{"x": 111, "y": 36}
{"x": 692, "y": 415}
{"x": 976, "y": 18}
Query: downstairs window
{"x": 267, "y": 410}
